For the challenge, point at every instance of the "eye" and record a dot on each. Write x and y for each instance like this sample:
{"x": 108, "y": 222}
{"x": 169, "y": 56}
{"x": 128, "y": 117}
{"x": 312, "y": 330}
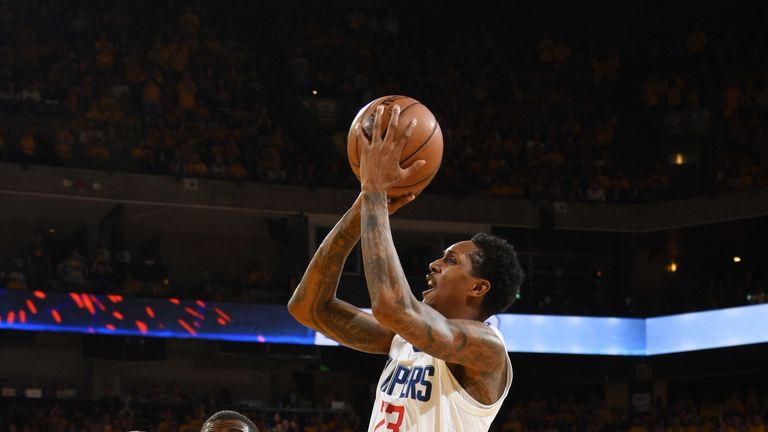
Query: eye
{"x": 450, "y": 259}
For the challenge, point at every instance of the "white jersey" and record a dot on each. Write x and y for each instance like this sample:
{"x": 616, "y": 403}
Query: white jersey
{"x": 418, "y": 393}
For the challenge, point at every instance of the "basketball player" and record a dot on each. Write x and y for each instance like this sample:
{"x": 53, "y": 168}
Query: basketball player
{"x": 447, "y": 370}
{"x": 228, "y": 421}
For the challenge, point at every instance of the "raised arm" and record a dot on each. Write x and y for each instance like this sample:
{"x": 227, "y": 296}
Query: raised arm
{"x": 464, "y": 342}
{"x": 314, "y": 302}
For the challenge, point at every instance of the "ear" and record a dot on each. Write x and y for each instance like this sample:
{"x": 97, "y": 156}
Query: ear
{"x": 481, "y": 287}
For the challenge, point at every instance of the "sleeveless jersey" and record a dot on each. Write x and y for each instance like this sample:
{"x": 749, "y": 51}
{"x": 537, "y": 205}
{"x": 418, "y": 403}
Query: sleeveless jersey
{"x": 418, "y": 393}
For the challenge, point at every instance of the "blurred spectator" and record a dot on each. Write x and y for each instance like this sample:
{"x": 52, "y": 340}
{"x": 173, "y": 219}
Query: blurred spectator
{"x": 74, "y": 271}
{"x": 258, "y": 278}
{"x": 100, "y": 272}
{"x": 39, "y": 263}
{"x": 109, "y": 400}
{"x": 15, "y": 277}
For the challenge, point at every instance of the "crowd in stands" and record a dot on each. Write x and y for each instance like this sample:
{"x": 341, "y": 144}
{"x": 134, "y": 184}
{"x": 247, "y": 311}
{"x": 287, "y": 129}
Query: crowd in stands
{"x": 199, "y": 91}
{"x": 42, "y": 268}
{"x": 747, "y": 411}
{"x": 697, "y": 289}
{"x": 574, "y": 287}
{"x": 113, "y": 89}
{"x": 159, "y": 410}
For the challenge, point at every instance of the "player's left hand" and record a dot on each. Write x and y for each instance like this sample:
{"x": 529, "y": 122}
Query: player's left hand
{"x": 380, "y": 158}
{"x": 394, "y": 204}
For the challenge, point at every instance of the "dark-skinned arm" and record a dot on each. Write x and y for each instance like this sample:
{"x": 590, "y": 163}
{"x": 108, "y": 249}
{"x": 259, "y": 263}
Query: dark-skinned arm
{"x": 314, "y": 302}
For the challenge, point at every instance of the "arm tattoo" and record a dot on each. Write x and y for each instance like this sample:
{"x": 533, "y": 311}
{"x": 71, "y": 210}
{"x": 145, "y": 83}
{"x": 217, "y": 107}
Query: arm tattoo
{"x": 327, "y": 264}
{"x": 344, "y": 326}
{"x": 464, "y": 340}
{"x": 371, "y": 222}
{"x": 430, "y": 336}
{"x": 386, "y": 281}
{"x": 378, "y": 273}
{"x": 315, "y": 304}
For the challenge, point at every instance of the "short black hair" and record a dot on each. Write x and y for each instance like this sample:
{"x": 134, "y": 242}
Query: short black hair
{"x": 496, "y": 261}
{"x": 232, "y": 415}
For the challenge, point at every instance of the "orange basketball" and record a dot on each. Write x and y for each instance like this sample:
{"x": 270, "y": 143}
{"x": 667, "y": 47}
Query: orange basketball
{"x": 426, "y": 141}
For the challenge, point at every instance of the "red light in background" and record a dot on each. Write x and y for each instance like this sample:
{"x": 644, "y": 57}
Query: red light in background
{"x": 88, "y": 304}
{"x": 186, "y": 326}
{"x": 193, "y": 312}
{"x": 141, "y": 326}
{"x": 39, "y": 294}
{"x": 56, "y": 316}
{"x": 77, "y": 299}
{"x": 150, "y": 312}
{"x": 31, "y": 306}
{"x": 98, "y": 302}
{"x": 222, "y": 314}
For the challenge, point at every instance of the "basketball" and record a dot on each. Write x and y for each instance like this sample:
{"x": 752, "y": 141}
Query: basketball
{"x": 426, "y": 141}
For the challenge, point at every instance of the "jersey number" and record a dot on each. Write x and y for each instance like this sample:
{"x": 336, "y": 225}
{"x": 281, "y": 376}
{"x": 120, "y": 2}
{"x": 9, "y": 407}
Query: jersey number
{"x": 390, "y": 409}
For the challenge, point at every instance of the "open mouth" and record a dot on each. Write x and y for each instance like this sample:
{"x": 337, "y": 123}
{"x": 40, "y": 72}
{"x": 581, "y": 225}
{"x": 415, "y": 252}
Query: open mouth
{"x": 430, "y": 285}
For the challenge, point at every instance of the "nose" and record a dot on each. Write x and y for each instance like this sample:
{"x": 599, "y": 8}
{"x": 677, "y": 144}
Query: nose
{"x": 434, "y": 267}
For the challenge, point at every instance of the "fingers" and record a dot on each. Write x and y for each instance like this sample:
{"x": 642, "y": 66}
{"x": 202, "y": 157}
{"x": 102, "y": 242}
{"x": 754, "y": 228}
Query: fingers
{"x": 412, "y": 168}
{"x": 406, "y": 135}
{"x": 360, "y": 135}
{"x": 377, "y": 125}
{"x": 393, "y": 120}
{"x": 391, "y": 132}
{"x": 395, "y": 203}
{"x": 403, "y": 200}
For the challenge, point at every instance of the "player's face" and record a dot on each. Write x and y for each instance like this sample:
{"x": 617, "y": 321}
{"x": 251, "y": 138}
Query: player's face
{"x": 450, "y": 277}
{"x": 225, "y": 426}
